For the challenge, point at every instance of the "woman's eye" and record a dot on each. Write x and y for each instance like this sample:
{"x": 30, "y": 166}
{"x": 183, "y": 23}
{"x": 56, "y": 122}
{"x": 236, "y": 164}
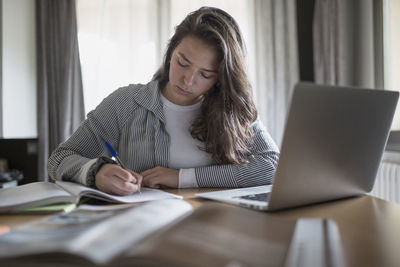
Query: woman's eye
{"x": 182, "y": 65}
{"x": 205, "y": 76}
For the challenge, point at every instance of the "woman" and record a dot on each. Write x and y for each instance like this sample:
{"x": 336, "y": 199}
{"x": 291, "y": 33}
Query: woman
{"x": 194, "y": 125}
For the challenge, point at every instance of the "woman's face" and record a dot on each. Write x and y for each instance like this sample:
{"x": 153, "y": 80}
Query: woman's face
{"x": 193, "y": 71}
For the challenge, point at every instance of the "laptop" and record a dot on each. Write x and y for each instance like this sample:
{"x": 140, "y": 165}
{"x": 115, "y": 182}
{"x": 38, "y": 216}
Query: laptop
{"x": 331, "y": 149}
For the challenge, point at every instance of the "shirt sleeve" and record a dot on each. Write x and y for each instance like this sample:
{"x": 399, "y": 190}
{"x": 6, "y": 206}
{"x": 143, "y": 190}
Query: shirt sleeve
{"x": 71, "y": 160}
{"x": 259, "y": 170}
{"x": 187, "y": 178}
{"x": 82, "y": 174}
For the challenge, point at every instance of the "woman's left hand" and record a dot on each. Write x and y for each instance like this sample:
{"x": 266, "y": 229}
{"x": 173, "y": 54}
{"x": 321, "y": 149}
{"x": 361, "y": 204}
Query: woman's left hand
{"x": 160, "y": 176}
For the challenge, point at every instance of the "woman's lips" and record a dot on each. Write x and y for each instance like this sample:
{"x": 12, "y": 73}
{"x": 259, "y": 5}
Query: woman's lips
{"x": 183, "y": 92}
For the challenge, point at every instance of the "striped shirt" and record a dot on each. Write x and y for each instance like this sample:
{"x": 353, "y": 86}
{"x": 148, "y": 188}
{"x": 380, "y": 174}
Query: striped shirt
{"x": 132, "y": 120}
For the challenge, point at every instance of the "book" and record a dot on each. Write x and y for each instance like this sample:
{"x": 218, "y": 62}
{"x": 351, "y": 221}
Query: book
{"x": 42, "y": 194}
{"x": 86, "y": 236}
{"x": 47, "y": 209}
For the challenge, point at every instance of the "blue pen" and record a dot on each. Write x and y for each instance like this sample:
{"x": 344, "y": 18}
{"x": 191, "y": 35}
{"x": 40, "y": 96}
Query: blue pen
{"x": 115, "y": 157}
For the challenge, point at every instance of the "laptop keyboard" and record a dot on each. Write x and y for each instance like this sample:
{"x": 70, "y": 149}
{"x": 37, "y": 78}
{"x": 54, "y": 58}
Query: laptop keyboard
{"x": 258, "y": 197}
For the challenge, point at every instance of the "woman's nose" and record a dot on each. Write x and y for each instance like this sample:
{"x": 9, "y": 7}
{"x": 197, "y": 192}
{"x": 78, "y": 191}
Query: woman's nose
{"x": 189, "y": 77}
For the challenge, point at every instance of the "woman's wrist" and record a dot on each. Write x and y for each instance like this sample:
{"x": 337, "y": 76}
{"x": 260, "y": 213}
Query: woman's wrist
{"x": 94, "y": 169}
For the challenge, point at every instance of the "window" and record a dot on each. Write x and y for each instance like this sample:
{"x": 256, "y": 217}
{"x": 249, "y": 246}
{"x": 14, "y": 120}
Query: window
{"x": 117, "y": 45}
{"x": 392, "y": 51}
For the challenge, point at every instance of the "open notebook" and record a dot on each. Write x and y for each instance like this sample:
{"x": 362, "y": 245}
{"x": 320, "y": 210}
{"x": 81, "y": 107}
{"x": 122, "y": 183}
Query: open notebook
{"x": 39, "y": 194}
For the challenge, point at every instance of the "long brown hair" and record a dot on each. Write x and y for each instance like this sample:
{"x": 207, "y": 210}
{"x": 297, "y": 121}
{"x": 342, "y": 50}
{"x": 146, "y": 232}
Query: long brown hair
{"x": 228, "y": 109}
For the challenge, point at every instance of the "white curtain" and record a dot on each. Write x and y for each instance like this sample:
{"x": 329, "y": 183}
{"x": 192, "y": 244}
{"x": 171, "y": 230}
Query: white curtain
{"x": 118, "y": 43}
{"x": 123, "y": 41}
{"x": 277, "y": 61}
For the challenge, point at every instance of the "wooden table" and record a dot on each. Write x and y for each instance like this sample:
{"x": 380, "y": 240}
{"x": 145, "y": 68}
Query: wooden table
{"x": 369, "y": 227}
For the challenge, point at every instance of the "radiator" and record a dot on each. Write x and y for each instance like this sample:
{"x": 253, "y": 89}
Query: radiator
{"x": 387, "y": 183}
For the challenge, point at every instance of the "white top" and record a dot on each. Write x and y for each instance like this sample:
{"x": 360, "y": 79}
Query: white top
{"x": 184, "y": 149}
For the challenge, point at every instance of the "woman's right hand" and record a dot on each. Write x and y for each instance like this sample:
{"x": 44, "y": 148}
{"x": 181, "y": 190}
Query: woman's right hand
{"x": 113, "y": 179}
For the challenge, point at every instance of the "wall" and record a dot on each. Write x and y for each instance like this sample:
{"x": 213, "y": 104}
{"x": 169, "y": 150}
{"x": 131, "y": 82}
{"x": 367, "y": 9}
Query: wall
{"x": 19, "y": 105}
